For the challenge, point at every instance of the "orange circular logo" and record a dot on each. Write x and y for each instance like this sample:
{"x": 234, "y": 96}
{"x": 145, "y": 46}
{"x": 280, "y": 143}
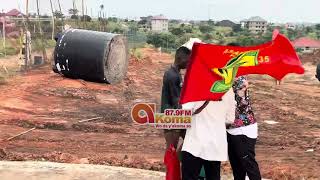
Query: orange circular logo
{"x": 143, "y": 113}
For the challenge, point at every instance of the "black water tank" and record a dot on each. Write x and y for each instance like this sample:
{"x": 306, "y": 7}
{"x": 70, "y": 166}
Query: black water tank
{"x": 91, "y": 55}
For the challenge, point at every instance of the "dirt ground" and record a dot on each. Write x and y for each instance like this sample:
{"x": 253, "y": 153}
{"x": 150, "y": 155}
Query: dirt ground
{"x": 54, "y": 105}
{"x": 10, "y": 170}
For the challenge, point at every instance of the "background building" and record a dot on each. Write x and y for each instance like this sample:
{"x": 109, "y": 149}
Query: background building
{"x": 159, "y": 24}
{"x": 255, "y": 24}
{"x": 306, "y": 45}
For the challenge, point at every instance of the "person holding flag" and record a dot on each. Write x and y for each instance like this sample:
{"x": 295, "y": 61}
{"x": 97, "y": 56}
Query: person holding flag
{"x": 242, "y": 133}
{"x": 205, "y": 143}
{"x": 171, "y": 88}
{"x": 210, "y": 76}
{"x": 170, "y": 97}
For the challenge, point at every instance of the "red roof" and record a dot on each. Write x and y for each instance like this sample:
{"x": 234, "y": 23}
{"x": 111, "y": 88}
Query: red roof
{"x": 14, "y": 12}
{"x": 306, "y": 42}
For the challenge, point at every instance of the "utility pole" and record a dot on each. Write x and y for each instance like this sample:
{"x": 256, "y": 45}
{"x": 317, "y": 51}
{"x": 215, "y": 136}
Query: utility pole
{"x": 41, "y": 34}
{"x": 27, "y": 8}
{"x": 83, "y": 19}
{"x": 4, "y": 34}
{"x": 53, "y": 23}
{"x": 27, "y": 14}
{"x": 61, "y": 13}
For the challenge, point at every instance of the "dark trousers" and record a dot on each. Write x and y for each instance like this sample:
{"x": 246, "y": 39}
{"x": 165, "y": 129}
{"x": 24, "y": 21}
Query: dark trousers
{"x": 241, "y": 151}
{"x": 191, "y": 167}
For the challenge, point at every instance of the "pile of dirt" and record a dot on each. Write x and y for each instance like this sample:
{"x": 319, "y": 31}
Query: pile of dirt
{"x": 313, "y": 58}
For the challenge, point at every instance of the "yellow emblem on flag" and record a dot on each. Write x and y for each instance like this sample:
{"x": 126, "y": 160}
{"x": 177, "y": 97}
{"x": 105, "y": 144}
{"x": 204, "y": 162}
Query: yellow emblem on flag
{"x": 229, "y": 72}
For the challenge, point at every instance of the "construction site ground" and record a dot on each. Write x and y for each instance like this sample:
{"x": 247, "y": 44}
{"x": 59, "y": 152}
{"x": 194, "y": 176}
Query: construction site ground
{"x": 288, "y": 146}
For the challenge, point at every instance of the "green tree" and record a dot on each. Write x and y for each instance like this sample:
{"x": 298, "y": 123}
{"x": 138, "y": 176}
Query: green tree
{"x": 318, "y": 27}
{"x": 58, "y": 14}
{"x": 205, "y": 28}
{"x": 292, "y": 34}
{"x": 245, "y": 40}
{"x": 178, "y": 31}
{"x": 86, "y": 18}
{"x": 165, "y": 40}
{"x": 113, "y": 19}
{"x": 309, "y": 30}
{"x": 237, "y": 28}
{"x": 207, "y": 37}
{"x": 73, "y": 11}
{"x": 210, "y": 22}
{"x": 143, "y": 22}
{"x": 74, "y": 17}
{"x": 133, "y": 27}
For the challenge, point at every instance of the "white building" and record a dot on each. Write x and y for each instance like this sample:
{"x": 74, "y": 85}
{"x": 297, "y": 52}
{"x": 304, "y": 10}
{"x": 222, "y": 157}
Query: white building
{"x": 159, "y": 24}
{"x": 291, "y": 26}
{"x": 255, "y": 24}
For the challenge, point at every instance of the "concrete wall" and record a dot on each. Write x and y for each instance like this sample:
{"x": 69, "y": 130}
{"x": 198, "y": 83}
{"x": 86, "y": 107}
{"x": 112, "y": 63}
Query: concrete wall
{"x": 159, "y": 25}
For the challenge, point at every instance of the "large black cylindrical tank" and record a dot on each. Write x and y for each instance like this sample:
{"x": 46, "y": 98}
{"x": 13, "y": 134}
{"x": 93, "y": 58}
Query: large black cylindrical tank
{"x": 90, "y": 55}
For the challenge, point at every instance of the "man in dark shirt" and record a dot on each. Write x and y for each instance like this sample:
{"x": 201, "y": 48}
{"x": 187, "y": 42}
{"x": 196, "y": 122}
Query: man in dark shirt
{"x": 172, "y": 84}
{"x": 318, "y": 72}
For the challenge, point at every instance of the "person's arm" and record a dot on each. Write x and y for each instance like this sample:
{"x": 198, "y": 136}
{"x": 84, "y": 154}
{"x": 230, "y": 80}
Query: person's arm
{"x": 165, "y": 95}
{"x": 174, "y": 91}
{"x": 230, "y": 104}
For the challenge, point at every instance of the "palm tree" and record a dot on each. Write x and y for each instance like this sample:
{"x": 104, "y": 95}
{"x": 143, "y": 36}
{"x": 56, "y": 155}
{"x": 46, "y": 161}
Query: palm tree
{"x": 101, "y": 9}
{"x": 73, "y": 12}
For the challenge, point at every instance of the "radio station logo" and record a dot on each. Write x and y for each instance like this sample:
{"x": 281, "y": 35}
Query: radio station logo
{"x": 145, "y": 114}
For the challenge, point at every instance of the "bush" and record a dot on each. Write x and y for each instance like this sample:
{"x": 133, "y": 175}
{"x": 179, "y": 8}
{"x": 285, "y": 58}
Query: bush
{"x": 9, "y": 51}
{"x": 74, "y": 17}
{"x": 136, "y": 53}
{"x": 37, "y": 44}
{"x": 86, "y": 18}
{"x": 166, "y": 40}
{"x": 205, "y": 28}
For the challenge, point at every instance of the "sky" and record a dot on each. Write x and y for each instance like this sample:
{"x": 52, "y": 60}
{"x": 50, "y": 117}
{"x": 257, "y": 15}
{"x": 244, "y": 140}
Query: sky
{"x": 277, "y": 11}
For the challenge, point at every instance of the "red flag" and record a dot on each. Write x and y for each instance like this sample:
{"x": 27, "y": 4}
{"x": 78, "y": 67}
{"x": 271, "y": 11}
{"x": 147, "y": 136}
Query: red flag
{"x": 172, "y": 164}
{"x": 212, "y": 68}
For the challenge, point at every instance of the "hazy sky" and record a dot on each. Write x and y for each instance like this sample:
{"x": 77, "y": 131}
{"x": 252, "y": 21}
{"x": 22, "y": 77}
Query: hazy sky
{"x": 236, "y": 10}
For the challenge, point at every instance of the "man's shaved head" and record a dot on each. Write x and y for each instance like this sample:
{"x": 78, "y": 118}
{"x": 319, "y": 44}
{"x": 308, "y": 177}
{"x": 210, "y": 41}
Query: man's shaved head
{"x": 182, "y": 57}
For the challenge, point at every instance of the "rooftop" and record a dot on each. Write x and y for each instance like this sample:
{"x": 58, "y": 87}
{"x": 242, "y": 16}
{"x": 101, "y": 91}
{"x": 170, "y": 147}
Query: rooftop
{"x": 159, "y": 17}
{"x": 306, "y": 42}
{"x": 255, "y": 19}
{"x": 14, "y": 12}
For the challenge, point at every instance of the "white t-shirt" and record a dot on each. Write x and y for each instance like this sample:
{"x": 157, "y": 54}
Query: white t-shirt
{"x": 207, "y": 137}
{"x": 250, "y": 131}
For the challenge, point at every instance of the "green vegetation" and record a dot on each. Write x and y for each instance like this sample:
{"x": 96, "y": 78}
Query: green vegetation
{"x": 136, "y": 53}
{"x": 138, "y": 35}
{"x": 9, "y": 50}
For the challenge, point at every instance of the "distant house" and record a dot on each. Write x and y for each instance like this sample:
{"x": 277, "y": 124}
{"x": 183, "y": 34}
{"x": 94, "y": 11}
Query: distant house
{"x": 255, "y": 24}
{"x": 291, "y": 26}
{"x": 14, "y": 13}
{"x": 226, "y": 23}
{"x": 5, "y": 21}
{"x": 159, "y": 24}
{"x": 306, "y": 45}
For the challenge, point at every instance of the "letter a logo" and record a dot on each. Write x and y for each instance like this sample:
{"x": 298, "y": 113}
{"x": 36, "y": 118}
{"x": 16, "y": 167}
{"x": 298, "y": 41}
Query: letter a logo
{"x": 143, "y": 113}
